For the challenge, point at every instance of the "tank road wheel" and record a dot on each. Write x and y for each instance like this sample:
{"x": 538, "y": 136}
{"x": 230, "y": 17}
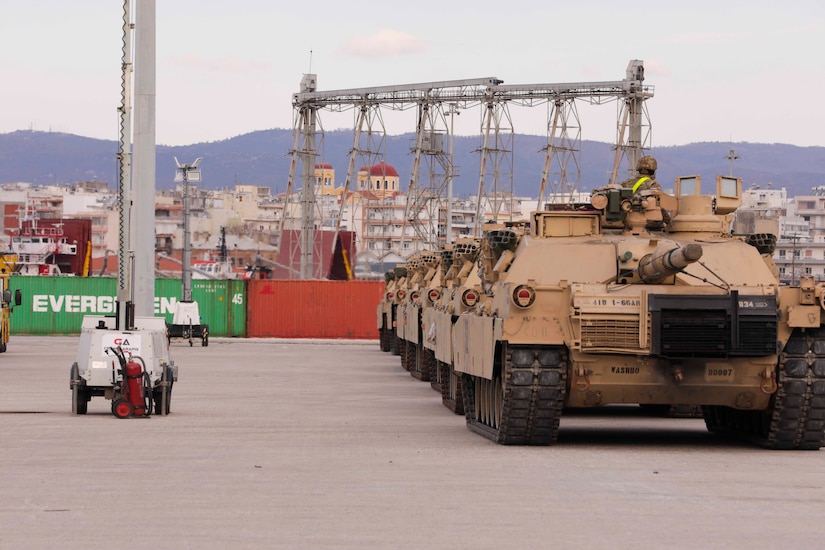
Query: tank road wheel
{"x": 484, "y": 413}
{"x": 122, "y": 408}
{"x": 80, "y": 398}
{"x": 522, "y": 407}
{"x": 488, "y": 400}
{"x": 795, "y": 418}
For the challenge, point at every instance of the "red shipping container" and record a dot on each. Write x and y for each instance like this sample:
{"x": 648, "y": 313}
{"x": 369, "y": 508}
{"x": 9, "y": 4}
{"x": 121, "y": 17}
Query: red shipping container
{"x": 312, "y": 309}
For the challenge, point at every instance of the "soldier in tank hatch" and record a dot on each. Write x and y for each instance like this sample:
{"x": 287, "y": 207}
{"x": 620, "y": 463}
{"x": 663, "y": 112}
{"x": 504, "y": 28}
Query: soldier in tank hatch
{"x": 646, "y": 176}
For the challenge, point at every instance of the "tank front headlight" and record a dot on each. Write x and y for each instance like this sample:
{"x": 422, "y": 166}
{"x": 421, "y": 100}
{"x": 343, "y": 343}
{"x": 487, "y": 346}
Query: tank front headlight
{"x": 469, "y": 297}
{"x": 400, "y": 294}
{"x": 523, "y": 296}
{"x": 434, "y": 295}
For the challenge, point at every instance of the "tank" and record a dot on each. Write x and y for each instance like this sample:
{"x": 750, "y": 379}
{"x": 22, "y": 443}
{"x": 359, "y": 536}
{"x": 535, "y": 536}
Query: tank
{"x": 460, "y": 276}
{"x": 641, "y": 298}
{"x": 423, "y": 268}
{"x": 396, "y": 299}
{"x": 432, "y": 299}
{"x": 386, "y": 333}
{"x": 405, "y": 325}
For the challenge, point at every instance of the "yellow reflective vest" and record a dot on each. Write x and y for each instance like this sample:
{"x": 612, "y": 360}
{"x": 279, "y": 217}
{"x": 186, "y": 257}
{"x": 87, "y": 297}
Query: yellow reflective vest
{"x": 639, "y": 183}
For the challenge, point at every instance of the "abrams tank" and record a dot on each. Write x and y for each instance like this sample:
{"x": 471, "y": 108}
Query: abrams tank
{"x": 395, "y": 294}
{"x": 424, "y": 277}
{"x": 459, "y": 284}
{"x": 384, "y": 313}
{"x": 642, "y": 298}
{"x": 432, "y": 314}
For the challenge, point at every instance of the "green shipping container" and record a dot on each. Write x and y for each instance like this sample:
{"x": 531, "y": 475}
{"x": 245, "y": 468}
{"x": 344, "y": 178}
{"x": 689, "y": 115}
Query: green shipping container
{"x": 57, "y": 305}
{"x": 221, "y": 303}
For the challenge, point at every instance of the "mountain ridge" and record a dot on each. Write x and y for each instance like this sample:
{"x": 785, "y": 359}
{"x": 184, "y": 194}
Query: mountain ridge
{"x": 262, "y": 158}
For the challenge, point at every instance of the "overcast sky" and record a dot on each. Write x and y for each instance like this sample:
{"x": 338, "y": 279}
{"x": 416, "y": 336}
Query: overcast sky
{"x": 723, "y": 70}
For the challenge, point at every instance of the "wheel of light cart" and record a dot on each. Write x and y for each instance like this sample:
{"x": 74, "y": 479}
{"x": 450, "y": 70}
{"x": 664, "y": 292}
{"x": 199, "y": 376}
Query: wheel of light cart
{"x": 122, "y": 408}
{"x": 159, "y": 402}
{"x": 158, "y": 395}
{"x": 80, "y": 399}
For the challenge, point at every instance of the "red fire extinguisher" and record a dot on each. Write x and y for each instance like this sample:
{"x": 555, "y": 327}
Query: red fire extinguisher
{"x": 135, "y": 398}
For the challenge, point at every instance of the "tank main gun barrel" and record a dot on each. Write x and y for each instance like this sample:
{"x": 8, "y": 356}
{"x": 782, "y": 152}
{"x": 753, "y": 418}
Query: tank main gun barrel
{"x": 664, "y": 263}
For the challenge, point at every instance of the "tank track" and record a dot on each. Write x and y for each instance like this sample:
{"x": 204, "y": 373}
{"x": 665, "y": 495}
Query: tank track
{"x": 420, "y": 367}
{"x": 394, "y": 340}
{"x": 407, "y": 355}
{"x": 532, "y": 397}
{"x": 435, "y": 370}
{"x": 385, "y": 339}
{"x": 453, "y": 402}
{"x": 795, "y": 418}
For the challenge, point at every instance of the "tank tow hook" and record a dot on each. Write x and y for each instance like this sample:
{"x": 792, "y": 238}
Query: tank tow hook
{"x": 768, "y": 384}
{"x": 677, "y": 374}
{"x": 582, "y": 381}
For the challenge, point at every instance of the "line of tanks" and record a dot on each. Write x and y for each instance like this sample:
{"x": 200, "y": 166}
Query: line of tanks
{"x": 640, "y": 298}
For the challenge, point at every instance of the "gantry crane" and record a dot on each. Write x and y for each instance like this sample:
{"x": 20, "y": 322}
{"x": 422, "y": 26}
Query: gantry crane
{"x": 432, "y": 166}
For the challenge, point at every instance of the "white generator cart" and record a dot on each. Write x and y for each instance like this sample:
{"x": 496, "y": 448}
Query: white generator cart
{"x": 186, "y": 324}
{"x": 98, "y": 369}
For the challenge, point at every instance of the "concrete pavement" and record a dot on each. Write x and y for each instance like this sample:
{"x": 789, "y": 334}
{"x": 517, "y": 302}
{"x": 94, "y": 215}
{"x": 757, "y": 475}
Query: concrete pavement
{"x": 283, "y": 444}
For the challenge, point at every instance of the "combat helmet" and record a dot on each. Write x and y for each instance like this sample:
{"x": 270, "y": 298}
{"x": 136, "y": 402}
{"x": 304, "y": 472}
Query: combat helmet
{"x": 647, "y": 165}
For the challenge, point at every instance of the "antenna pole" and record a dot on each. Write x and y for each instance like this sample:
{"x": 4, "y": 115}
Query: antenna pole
{"x": 732, "y": 156}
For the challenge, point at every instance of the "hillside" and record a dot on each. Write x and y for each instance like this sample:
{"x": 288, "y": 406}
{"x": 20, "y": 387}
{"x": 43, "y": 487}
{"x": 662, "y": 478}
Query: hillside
{"x": 262, "y": 158}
